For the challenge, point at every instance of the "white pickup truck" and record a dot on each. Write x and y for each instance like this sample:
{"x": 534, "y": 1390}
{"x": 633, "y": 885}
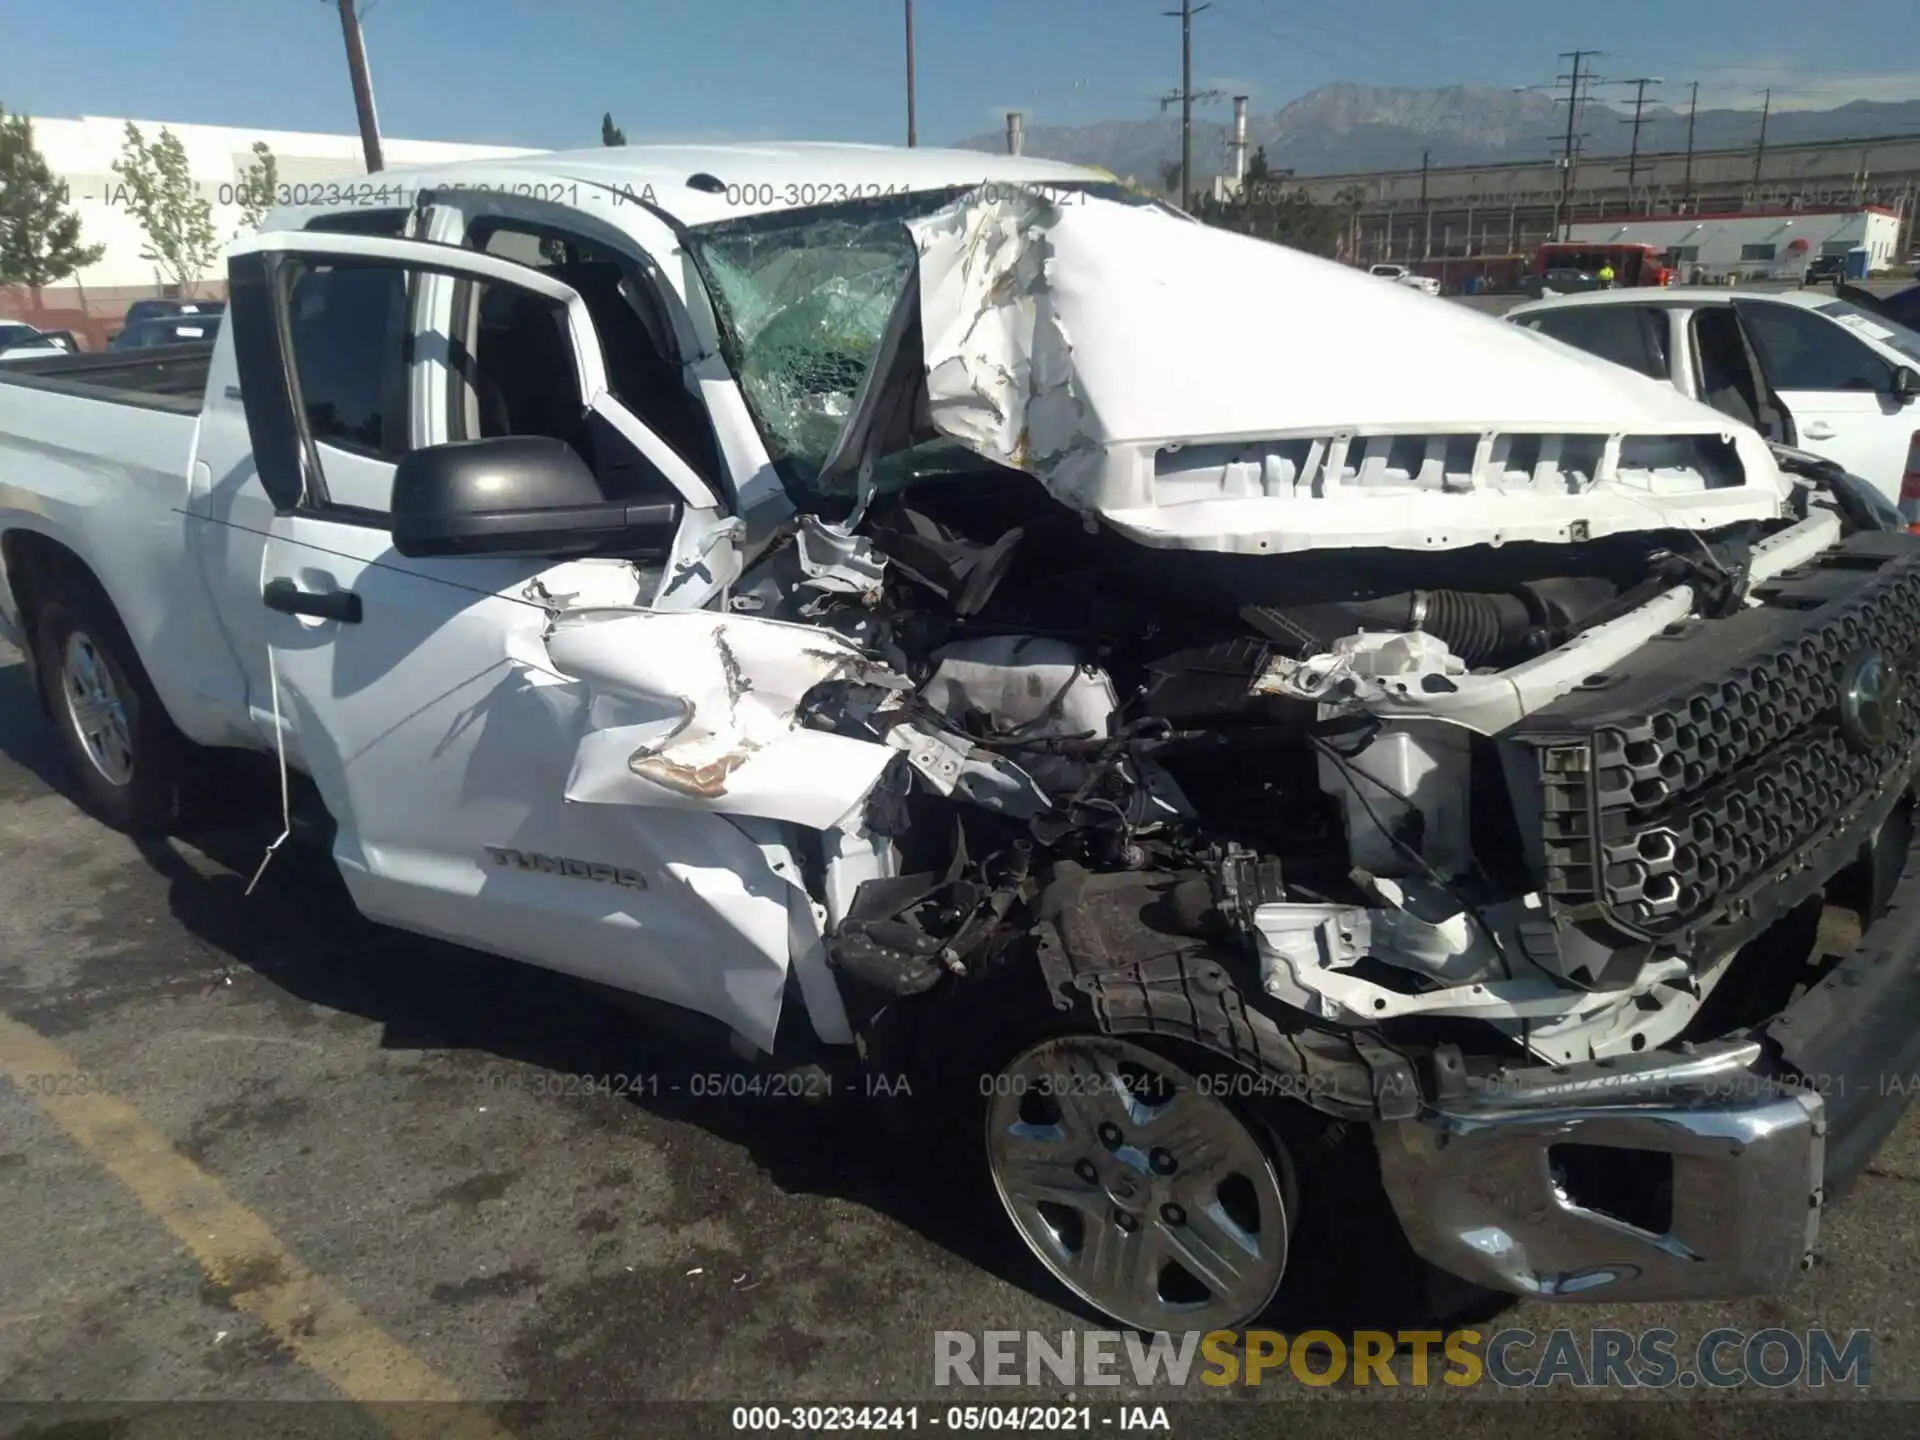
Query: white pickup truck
{"x": 1195, "y": 713}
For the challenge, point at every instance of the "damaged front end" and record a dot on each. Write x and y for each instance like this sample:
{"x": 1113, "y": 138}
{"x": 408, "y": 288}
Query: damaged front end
{"x": 1185, "y": 638}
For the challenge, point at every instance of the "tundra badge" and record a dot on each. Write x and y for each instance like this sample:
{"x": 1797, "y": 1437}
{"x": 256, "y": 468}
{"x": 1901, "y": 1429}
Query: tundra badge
{"x": 560, "y": 865}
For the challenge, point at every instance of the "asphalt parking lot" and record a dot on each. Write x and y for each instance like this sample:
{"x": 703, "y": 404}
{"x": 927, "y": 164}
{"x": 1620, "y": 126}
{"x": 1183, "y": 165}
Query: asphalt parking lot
{"x": 298, "y": 1158}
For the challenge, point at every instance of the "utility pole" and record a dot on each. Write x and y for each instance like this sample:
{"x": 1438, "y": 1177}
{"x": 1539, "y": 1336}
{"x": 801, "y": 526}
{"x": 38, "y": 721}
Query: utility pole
{"x": 1576, "y": 98}
{"x": 1693, "y": 112}
{"x": 1237, "y": 143}
{"x": 1640, "y": 83}
{"x": 1426, "y": 216}
{"x": 913, "y": 137}
{"x": 1186, "y": 97}
{"x": 362, "y": 87}
{"x": 1760, "y": 153}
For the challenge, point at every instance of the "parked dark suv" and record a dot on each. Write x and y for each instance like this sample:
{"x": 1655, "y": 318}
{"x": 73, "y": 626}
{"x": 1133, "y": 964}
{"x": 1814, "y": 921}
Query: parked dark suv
{"x": 167, "y": 330}
{"x": 1824, "y": 270}
{"x": 143, "y": 310}
{"x": 165, "y": 309}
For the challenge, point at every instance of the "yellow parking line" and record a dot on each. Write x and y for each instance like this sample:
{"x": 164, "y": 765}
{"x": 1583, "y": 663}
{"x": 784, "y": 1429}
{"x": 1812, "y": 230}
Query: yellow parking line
{"x": 242, "y": 1257}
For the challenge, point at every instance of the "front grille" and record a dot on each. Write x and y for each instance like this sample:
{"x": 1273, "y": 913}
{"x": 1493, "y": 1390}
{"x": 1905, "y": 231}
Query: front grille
{"x": 1714, "y": 763}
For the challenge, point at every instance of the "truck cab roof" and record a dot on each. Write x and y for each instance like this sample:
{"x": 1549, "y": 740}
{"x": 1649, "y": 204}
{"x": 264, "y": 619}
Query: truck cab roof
{"x": 704, "y": 184}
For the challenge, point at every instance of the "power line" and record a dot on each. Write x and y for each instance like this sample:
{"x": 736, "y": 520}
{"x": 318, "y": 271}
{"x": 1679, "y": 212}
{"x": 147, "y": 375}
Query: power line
{"x": 1579, "y": 87}
{"x": 1297, "y": 40}
{"x": 1784, "y": 80}
{"x": 1693, "y": 113}
{"x": 1640, "y": 83}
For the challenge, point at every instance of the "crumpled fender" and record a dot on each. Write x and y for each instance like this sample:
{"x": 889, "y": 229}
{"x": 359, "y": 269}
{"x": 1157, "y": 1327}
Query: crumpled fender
{"x": 697, "y": 711}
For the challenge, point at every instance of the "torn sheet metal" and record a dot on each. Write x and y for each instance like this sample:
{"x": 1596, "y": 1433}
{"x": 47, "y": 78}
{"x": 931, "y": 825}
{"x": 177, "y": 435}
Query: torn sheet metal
{"x": 835, "y": 561}
{"x": 696, "y": 711}
{"x": 1000, "y": 362}
{"x": 806, "y": 939}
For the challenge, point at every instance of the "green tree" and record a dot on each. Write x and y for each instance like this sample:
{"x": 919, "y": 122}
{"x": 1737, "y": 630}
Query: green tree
{"x": 610, "y": 133}
{"x": 177, "y": 219}
{"x": 258, "y": 184}
{"x": 39, "y": 234}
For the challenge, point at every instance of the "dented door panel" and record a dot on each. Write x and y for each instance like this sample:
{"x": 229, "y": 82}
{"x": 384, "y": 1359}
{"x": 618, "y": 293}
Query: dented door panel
{"x": 445, "y": 761}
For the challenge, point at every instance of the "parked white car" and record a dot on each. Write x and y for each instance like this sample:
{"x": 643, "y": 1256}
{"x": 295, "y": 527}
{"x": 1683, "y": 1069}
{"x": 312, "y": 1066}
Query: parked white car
{"x": 923, "y": 611}
{"x": 1401, "y": 275}
{"x": 1803, "y": 367}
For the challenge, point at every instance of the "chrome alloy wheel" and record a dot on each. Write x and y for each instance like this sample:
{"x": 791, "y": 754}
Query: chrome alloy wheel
{"x": 1139, "y": 1188}
{"x": 95, "y": 709}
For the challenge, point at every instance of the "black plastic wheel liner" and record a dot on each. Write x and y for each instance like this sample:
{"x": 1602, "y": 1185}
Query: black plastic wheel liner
{"x": 1107, "y": 965}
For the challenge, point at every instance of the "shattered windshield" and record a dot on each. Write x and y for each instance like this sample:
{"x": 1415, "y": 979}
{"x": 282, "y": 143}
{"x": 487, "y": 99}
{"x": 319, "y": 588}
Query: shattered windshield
{"x": 802, "y": 298}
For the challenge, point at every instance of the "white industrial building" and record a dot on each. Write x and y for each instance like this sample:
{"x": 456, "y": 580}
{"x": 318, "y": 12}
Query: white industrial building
{"x": 81, "y": 153}
{"x": 1754, "y": 245}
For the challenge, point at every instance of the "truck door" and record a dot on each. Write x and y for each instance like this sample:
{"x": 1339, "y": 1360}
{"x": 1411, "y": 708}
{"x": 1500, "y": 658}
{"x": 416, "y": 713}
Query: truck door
{"x": 1727, "y": 375}
{"x": 401, "y": 684}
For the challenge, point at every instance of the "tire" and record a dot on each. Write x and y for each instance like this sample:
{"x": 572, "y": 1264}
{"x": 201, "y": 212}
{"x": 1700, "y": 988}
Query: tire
{"x": 1137, "y": 1177}
{"x": 125, "y": 753}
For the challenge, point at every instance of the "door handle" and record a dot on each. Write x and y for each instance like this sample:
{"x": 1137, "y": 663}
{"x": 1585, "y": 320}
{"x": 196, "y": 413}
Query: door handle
{"x": 1817, "y": 430}
{"x": 289, "y": 599}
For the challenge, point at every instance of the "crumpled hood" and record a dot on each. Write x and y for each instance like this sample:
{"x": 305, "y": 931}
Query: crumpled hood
{"x": 1178, "y": 329}
{"x": 1145, "y": 367}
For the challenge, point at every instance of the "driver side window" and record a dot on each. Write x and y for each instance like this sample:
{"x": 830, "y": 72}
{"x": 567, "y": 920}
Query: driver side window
{"x": 636, "y": 336}
{"x": 514, "y": 373}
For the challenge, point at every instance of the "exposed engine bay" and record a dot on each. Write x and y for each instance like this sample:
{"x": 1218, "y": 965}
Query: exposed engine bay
{"x": 1349, "y": 779}
{"x": 1408, "y": 727}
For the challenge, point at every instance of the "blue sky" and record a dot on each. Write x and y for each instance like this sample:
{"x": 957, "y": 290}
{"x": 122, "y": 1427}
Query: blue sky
{"x": 519, "y": 72}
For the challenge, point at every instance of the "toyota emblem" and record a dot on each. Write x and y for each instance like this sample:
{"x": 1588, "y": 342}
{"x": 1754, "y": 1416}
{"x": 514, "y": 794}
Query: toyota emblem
{"x": 1870, "y": 701}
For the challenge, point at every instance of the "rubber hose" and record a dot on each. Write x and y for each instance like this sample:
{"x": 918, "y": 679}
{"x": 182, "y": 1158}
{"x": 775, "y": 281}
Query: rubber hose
{"x": 1474, "y": 626}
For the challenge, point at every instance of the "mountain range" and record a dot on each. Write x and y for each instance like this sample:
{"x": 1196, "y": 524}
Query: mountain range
{"x": 1343, "y": 127}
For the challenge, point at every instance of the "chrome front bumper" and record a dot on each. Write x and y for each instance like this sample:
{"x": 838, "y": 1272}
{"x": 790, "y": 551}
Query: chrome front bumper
{"x": 1755, "y": 1134}
{"x": 1475, "y": 1185}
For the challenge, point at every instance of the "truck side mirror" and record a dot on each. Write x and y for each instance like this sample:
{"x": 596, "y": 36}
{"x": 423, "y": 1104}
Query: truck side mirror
{"x": 1906, "y": 384}
{"x": 525, "y": 495}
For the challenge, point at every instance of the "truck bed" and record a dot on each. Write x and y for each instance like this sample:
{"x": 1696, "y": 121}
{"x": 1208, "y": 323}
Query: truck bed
{"x": 165, "y": 377}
